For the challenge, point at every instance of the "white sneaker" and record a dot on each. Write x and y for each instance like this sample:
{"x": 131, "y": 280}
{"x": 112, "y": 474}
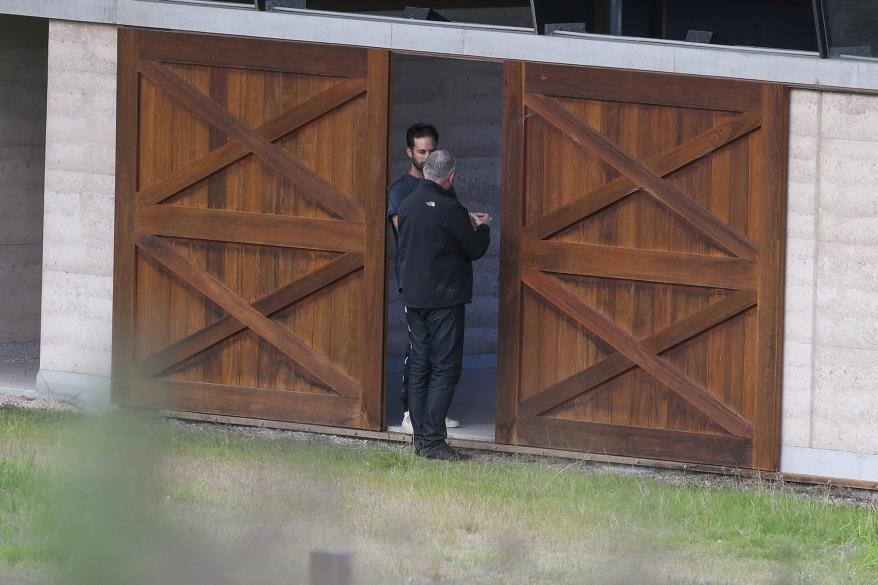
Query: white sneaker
{"x": 407, "y": 424}
{"x": 409, "y": 430}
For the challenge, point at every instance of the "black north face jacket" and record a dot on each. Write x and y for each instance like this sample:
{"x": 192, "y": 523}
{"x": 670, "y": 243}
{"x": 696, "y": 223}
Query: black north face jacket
{"x": 437, "y": 244}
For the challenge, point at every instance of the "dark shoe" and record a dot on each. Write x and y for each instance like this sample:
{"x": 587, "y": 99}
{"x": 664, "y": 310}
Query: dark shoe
{"x": 443, "y": 452}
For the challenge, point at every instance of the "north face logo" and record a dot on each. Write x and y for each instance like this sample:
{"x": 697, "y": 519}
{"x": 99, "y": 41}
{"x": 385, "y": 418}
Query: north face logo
{"x": 431, "y": 203}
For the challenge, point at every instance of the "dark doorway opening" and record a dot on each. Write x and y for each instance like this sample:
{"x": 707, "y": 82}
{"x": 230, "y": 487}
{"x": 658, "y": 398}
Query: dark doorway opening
{"x": 24, "y": 49}
{"x": 463, "y": 99}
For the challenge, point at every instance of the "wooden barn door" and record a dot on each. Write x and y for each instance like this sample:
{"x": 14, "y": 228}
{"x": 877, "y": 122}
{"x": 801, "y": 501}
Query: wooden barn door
{"x": 249, "y": 274}
{"x": 642, "y": 265}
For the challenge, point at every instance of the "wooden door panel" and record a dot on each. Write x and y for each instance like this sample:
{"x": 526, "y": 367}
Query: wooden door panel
{"x": 639, "y": 270}
{"x": 250, "y": 228}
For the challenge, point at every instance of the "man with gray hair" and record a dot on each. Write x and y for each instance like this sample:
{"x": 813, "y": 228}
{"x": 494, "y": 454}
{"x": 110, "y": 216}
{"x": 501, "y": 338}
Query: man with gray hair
{"x": 438, "y": 240}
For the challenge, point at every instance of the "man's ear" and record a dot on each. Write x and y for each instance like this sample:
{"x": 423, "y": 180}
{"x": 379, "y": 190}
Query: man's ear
{"x": 451, "y": 177}
{"x": 409, "y": 152}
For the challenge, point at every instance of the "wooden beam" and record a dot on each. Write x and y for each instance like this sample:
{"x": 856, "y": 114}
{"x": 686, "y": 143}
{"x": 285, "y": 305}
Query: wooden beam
{"x": 690, "y": 211}
{"x": 231, "y": 152}
{"x": 315, "y": 187}
{"x": 127, "y": 155}
{"x": 243, "y": 227}
{"x": 509, "y": 329}
{"x": 217, "y": 292}
{"x": 248, "y": 53}
{"x": 553, "y": 291}
{"x": 642, "y": 87}
{"x": 374, "y": 153}
{"x": 770, "y": 186}
{"x": 642, "y": 265}
{"x": 297, "y": 290}
{"x": 627, "y": 441}
{"x": 265, "y": 403}
{"x": 617, "y": 364}
{"x": 663, "y": 165}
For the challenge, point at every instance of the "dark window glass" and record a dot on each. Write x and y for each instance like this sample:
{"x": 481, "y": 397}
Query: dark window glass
{"x": 779, "y": 24}
{"x": 852, "y": 27}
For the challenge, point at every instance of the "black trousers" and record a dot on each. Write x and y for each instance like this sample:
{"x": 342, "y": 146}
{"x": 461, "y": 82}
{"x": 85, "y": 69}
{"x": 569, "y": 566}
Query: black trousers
{"x": 404, "y": 393}
{"x": 433, "y": 369}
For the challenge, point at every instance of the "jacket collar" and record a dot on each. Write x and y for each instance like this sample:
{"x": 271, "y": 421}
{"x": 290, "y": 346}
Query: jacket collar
{"x": 438, "y": 188}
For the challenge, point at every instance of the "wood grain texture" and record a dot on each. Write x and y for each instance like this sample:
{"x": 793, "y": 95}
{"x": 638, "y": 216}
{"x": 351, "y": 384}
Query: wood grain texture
{"x": 231, "y": 152}
{"x": 643, "y": 210}
{"x": 772, "y": 227}
{"x": 688, "y": 389}
{"x": 320, "y": 191}
{"x": 509, "y": 328}
{"x": 124, "y": 283}
{"x": 267, "y": 306}
{"x": 248, "y": 294}
{"x": 240, "y": 309}
{"x": 256, "y": 54}
{"x": 643, "y": 265}
{"x": 643, "y": 88}
{"x": 374, "y": 278}
{"x": 662, "y": 165}
{"x": 634, "y": 441}
{"x": 251, "y": 228}
{"x": 252, "y": 402}
{"x": 684, "y": 206}
{"x": 617, "y": 364}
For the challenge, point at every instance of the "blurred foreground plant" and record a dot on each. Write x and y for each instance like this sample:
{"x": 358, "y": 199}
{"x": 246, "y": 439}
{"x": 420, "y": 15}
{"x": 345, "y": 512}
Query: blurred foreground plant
{"x": 109, "y": 521}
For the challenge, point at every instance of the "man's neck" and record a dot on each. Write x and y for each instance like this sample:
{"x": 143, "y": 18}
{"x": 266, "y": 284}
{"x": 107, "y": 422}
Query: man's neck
{"x": 413, "y": 171}
{"x": 445, "y": 185}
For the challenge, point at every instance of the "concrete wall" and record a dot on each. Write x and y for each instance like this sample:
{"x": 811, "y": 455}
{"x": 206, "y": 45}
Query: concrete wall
{"x": 463, "y": 99}
{"x": 23, "y": 43}
{"x": 79, "y": 203}
{"x": 830, "y": 400}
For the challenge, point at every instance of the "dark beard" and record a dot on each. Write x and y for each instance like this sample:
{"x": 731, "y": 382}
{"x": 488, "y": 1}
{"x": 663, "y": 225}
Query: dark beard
{"x": 418, "y": 166}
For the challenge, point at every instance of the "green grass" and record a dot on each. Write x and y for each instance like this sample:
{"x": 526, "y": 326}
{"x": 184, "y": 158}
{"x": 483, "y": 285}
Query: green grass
{"x": 118, "y": 499}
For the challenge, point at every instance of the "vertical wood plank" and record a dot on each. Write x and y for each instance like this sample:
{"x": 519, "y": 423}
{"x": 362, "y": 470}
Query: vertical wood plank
{"x": 772, "y": 238}
{"x": 512, "y": 208}
{"x": 216, "y": 199}
{"x": 374, "y": 200}
{"x": 253, "y": 194}
{"x": 126, "y": 186}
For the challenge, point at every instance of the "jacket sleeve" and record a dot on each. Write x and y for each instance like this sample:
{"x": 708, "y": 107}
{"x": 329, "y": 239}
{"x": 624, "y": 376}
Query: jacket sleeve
{"x": 473, "y": 242}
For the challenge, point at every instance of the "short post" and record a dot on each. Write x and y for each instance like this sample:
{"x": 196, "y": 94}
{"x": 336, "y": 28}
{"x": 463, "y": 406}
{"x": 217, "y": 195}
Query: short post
{"x": 331, "y": 566}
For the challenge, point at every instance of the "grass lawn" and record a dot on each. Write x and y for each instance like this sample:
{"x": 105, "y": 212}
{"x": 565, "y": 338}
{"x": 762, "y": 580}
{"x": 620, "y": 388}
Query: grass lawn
{"x": 117, "y": 500}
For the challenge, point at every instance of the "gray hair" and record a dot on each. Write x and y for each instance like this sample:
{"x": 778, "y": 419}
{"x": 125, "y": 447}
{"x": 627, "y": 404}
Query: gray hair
{"x": 439, "y": 166}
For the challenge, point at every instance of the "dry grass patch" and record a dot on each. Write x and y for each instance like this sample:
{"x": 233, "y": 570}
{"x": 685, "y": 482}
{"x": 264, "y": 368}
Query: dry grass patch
{"x": 121, "y": 500}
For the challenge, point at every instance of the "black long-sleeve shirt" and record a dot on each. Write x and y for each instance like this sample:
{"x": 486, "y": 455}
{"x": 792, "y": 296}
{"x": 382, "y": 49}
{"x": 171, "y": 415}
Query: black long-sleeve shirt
{"x": 437, "y": 244}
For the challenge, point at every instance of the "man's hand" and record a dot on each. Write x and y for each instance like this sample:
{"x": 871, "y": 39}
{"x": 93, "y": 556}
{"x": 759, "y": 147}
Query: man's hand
{"x": 481, "y": 219}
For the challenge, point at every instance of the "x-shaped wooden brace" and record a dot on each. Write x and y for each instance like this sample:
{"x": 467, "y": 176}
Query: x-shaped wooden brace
{"x": 242, "y": 314}
{"x": 258, "y": 141}
{"x": 649, "y": 176}
{"x": 253, "y": 228}
{"x": 665, "y": 267}
{"x": 637, "y": 353}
